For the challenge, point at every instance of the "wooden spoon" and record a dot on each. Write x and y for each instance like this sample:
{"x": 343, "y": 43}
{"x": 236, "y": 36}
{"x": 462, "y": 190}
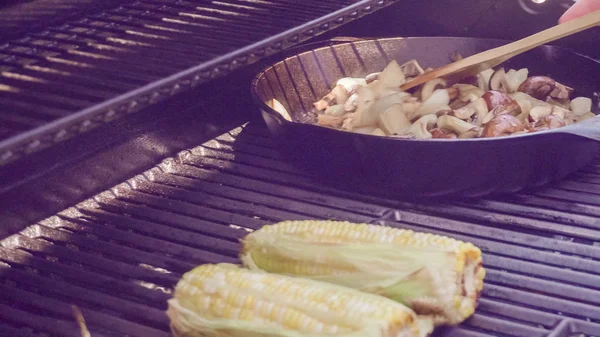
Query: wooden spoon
{"x": 477, "y": 63}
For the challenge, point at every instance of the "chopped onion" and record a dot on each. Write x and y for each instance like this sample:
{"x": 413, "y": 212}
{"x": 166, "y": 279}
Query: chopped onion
{"x": 581, "y": 105}
{"x": 439, "y": 100}
{"x": 392, "y": 76}
{"x": 394, "y": 121}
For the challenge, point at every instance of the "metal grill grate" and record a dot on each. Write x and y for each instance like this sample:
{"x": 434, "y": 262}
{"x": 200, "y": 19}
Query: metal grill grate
{"x": 118, "y": 255}
{"x": 72, "y": 77}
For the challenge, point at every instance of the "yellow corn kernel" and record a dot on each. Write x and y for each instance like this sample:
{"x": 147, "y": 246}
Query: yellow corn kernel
{"x": 225, "y": 300}
{"x": 436, "y": 269}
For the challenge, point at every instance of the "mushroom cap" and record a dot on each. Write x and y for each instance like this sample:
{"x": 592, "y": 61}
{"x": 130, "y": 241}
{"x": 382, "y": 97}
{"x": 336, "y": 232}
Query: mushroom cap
{"x": 502, "y": 125}
{"x": 538, "y": 87}
{"x": 442, "y": 134}
{"x": 495, "y": 98}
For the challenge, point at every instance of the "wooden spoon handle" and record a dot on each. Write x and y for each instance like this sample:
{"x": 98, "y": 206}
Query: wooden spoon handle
{"x": 554, "y": 33}
{"x": 477, "y": 63}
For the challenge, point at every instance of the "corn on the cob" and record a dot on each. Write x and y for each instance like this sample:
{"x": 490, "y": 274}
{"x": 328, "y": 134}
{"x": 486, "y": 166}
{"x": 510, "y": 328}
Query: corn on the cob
{"x": 432, "y": 274}
{"x": 228, "y": 301}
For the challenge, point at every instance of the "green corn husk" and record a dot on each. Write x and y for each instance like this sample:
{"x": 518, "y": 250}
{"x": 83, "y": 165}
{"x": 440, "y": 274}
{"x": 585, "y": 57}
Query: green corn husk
{"x": 425, "y": 279}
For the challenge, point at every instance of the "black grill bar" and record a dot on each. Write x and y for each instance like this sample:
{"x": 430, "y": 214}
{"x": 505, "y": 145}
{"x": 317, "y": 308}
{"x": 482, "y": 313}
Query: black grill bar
{"x": 72, "y": 77}
{"x": 118, "y": 255}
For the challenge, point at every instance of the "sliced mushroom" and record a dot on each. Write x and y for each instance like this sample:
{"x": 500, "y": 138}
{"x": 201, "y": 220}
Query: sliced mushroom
{"x": 439, "y": 100}
{"x": 581, "y": 105}
{"x": 538, "y": 87}
{"x": 561, "y": 92}
{"x": 467, "y": 92}
{"x": 277, "y": 106}
{"x": 324, "y": 102}
{"x": 348, "y": 123}
{"x": 412, "y": 68}
{"x": 454, "y": 124}
{"x": 551, "y": 122}
{"x": 372, "y": 77}
{"x": 340, "y": 93}
{"x": 478, "y": 107}
{"x": 394, "y": 121}
{"x": 351, "y": 103}
{"x": 442, "y": 133}
{"x": 498, "y": 81}
{"x": 392, "y": 76}
{"x": 351, "y": 83}
{"x": 502, "y": 125}
{"x": 336, "y": 110}
{"x": 472, "y": 133}
{"x": 431, "y": 86}
{"x": 421, "y": 127}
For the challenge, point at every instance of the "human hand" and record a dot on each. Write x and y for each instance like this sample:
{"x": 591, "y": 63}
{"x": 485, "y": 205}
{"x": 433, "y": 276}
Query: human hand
{"x": 580, "y": 8}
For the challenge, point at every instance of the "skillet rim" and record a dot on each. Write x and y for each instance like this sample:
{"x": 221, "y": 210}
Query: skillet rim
{"x": 299, "y": 50}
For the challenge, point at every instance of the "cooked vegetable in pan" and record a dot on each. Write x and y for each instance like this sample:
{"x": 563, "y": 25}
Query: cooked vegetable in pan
{"x": 493, "y": 103}
{"x": 226, "y": 300}
{"x": 434, "y": 275}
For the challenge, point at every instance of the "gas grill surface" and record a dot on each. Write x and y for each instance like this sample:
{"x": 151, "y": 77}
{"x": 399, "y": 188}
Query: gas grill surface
{"x": 118, "y": 255}
{"x": 65, "y": 79}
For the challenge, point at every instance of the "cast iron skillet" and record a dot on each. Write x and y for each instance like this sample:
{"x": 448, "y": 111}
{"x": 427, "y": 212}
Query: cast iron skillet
{"x": 403, "y": 167}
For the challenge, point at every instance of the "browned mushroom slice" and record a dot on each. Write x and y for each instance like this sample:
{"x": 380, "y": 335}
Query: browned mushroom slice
{"x": 538, "y": 87}
{"x": 561, "y": 92}
{"x": 495, "y": 98}
{"x": 442, "y": 133}
{"x": 502, "y": 125}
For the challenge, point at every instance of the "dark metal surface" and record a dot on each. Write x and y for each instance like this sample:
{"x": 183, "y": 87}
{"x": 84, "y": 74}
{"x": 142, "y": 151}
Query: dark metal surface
{"x": 433, "y": 167}
{"x": 67, "y": 79}
{"x": 118, "y": 255}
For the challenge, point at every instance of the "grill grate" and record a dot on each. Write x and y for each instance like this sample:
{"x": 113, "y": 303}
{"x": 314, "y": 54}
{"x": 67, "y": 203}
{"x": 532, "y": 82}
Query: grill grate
{"x": 75, "y": 76}
{"x": 118, "y": 255}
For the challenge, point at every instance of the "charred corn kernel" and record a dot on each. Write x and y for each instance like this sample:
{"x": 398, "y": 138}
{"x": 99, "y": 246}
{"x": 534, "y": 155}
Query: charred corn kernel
{"x": 434, "y": 275}
{"x": 228, "y": 301}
